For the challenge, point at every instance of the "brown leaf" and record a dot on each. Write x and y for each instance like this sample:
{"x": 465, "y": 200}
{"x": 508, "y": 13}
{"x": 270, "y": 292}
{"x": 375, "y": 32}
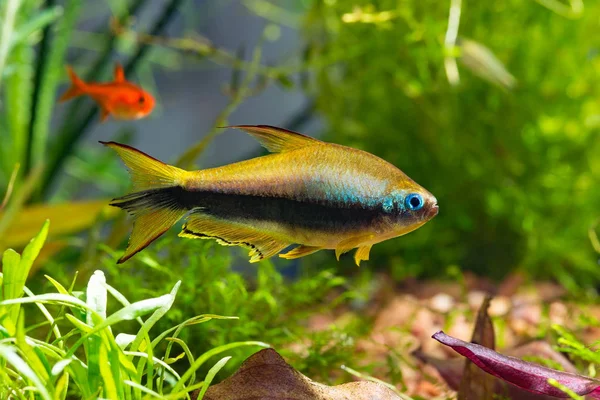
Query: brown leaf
{"x": 476, "y": 384}
{"x": 265, "y": 375}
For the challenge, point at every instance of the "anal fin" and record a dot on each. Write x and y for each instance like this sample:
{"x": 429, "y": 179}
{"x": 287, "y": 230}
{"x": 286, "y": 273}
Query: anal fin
{"x": 300, "y": 251}
{"x": 262, "y": 245}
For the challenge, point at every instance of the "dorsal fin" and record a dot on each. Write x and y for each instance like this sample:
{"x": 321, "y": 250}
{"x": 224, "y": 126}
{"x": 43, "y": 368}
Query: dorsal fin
{"x": 277, "y": 140}
{"x": 119, "y": 73}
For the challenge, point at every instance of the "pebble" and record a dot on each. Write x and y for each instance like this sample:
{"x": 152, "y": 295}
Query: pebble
{"x": 442, "y": 302}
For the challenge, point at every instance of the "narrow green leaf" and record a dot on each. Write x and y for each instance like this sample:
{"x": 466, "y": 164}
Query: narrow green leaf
{"x": 32, "y": 250}
{"x": 82, "y": 326}
{"x": 118, "y": 369}
{"x": 50, "y": 298}
{"x": 127, "y": 313}
{"x": 155, "y": 360}
{"x": 48, "y": 317}
{"x": 213, "y": 352}
{"x": 184, "y": 346}
{"x": 28, "y": 352}
{"x": 79, "y": 372}
{"x": 184, "y": 393}
{"x": 178, "y": 328}
{"x": 121, "y": 299}
{"x": 158, "y": 314}
{"x": 198, "y": 319}
{"x": 142, "y": 389}
{"x": 109, "y": 381}
{"x": 211, "y": 375}
{"x": 57, "y": 285}
{"x": 24, "y": 369}
{"x": 19, "y": 89}
{"x": 96, "y": 300}
{"x": 61, "y": 387}
{"x": 60, "y": 366}
{"x": 123, "y": 340}
{"x": 10, "y": 265}
{"x": 175, "y": 359}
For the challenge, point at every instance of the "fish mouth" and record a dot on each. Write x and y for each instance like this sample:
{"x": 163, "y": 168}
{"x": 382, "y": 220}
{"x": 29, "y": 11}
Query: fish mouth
{"x": 433, "y": 211}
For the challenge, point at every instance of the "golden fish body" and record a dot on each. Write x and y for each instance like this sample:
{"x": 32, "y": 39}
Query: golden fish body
{"x": 308, "y": 192}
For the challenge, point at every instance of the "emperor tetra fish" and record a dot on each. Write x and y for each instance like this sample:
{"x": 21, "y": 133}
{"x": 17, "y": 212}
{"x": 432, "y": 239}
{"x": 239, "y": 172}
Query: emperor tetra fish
{"x": 311, "y": 193}
{"x": 119, "y": 98}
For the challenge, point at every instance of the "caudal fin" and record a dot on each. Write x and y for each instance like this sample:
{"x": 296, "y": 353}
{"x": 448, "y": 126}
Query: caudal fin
{"x": 155, "y": 203}
{"x": 77, "y": 86}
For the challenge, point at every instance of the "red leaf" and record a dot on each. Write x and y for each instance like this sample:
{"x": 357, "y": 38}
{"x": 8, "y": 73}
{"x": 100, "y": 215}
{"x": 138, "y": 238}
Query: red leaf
{"x": 521, "y": 373}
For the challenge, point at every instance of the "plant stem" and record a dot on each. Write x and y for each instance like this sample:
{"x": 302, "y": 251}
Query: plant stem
{"x": 50, "y": 65}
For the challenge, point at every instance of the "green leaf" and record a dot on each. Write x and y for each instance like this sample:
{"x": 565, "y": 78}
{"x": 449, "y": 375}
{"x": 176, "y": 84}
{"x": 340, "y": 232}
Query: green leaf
{"x": 10, "y": 265}
{"x": 142, "y": 389}
{"x": 123, "y": 340}
{"x": 184, "y": 346}
{"x": 32, "y": 250}
{"x": 60, "y": 366}
{"x": 211, "y": 375}
{"x": 61, "y": 387}
{"x": 158, "y": 361}
{"x": 61, "y": 289}
{"x": 82, "y": 326}
{"x": 28, "y": 352}
{"x": 50, "y": 298}
{"x": 24, "y": 369}
{"x": 109, "y": 381}
{"x": 16, "y": 269}
{"x": 127, "y": 313}
{"x": 96, "y": 296}
{"x": 19, "y": 89}
{"x": 158, "y": 314}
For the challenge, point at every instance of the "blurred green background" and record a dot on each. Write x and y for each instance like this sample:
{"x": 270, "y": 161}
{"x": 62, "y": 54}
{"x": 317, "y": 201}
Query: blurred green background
{"x": 507, "y": 138}
{"x": 515, "y": 169}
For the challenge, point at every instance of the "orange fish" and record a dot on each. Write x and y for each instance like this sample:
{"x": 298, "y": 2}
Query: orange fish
{"x": 121, "y": 98}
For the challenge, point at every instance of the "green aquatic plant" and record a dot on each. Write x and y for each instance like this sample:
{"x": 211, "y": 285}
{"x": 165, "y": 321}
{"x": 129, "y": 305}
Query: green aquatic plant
{"x": 81, "y": 356}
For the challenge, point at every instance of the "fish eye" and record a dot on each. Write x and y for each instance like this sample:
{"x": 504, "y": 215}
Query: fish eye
{"x": 142, "y": 99}
{"x": 414, "y": 201}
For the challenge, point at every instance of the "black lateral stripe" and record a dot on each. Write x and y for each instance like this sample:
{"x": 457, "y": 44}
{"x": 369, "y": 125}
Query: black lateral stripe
{"x": 305, "y": 214}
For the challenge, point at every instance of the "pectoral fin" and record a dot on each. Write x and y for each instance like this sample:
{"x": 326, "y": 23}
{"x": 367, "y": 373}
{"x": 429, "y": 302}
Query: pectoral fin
{"x": 300, "y": 251}
{"x": 362, "y": 254}
{"x": 228, "y": 233}
{"x": 346, "y": 245}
